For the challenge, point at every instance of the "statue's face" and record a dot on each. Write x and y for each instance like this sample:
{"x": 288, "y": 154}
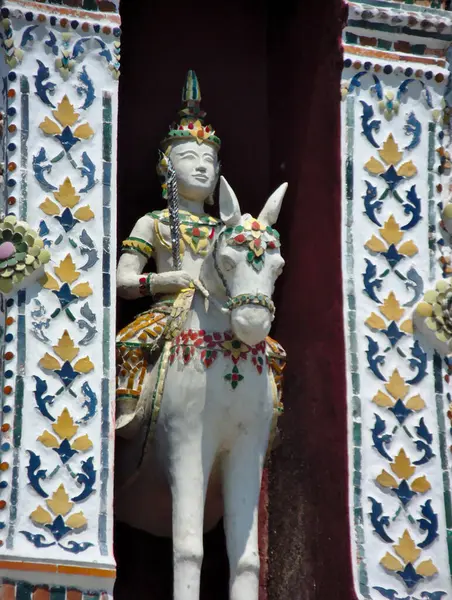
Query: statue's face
{"x": 196, "y": 167}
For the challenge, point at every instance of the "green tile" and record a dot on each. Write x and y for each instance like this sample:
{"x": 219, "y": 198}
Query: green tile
{"x": 106, "y": 142}
{"x": 418, "y": 49}
{"x": 384, "y": 44}
{"x": 58, "y": 593}
{"x": 24, "y": 591}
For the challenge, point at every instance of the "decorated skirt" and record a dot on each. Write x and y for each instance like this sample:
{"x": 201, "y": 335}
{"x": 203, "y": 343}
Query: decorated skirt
{"x": 158, "y": 335}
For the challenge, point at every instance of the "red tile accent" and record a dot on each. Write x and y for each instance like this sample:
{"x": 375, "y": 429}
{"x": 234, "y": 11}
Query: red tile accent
{"x": 41, "y": 594}
{"x": 8, "y": 591}
{"x": 367, "y": 41}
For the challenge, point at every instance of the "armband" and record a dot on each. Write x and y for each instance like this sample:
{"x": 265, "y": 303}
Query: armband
{"x": 138, "y": 246}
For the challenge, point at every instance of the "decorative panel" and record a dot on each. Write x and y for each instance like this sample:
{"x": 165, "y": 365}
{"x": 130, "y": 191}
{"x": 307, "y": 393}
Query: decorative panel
{"x": 60, "y": 104}
{"x": 396, "y": 169}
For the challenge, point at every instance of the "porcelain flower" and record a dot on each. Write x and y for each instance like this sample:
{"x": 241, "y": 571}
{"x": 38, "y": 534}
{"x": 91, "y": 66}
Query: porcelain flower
{"x": 436, "y": 312}
{"x": 21, "y": 252}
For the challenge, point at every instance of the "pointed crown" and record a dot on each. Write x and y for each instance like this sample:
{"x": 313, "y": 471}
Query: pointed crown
{"x": 191, "y": 124}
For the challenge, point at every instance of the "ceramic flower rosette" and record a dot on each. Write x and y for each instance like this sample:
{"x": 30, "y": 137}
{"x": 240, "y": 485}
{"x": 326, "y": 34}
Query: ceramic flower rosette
{"x": 433, "y": 315}
{"x": 22, "y": 254}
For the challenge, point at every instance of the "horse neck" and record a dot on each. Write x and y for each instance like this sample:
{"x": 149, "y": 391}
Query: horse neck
{"x": 208, "y": 315}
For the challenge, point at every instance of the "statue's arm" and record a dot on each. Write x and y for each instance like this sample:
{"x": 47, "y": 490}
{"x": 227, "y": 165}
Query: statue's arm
{"x": 136, "y": 251}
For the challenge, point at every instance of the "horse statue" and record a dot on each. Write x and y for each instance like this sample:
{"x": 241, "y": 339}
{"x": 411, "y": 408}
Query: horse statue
{"x": 198, "y": 379}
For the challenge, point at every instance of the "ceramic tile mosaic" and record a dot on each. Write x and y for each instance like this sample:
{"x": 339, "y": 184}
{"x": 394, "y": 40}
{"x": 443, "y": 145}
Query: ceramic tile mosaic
{"x": 56, "y": 442}
{"x": 396, "y": 172}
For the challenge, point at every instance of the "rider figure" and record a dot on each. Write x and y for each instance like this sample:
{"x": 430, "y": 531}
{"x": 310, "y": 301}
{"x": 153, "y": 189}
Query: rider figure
{"x": 178, "y": 239}
{"x": 193, "y": 149}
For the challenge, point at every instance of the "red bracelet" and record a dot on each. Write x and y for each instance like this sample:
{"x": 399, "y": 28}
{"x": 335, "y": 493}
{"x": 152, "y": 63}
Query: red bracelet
{"x": 143, "y": 285}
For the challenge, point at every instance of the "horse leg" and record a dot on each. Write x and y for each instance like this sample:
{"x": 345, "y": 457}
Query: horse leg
{"x": 189, "y": 468}
{"x": 242, "y": 472}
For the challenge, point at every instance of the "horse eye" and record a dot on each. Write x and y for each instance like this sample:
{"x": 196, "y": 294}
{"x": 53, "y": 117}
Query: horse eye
{"x": 228, "y": 263}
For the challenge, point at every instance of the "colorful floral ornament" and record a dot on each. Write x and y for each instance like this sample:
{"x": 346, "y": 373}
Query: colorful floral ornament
{"x": 257, "y": 237}
{"x": 55, "y": 521}
{"x": 21, "y": 252}
{"x": 67, "y": 274}
{"x": 388, "y": 106}
{"x": 197, "y": 231}
{"x": 62, "y": 131}
{"x": 435, "y": 311}
{"x": 392, "y": 235}
{"x": 13, "y": 55}
{"x": 391, "y": 156}
{"x": 66, "y": 351}
{"x": 395, "y": 401}
{"x": 393, "y": 312}
{"x": 404, "y": 471}
{"x": 209, "y": 345}
{"x": 407, "y": 550}
{"x": 67, "y": 197}
{"x": 65, "y": 63}
{"x": 65, "y": 429}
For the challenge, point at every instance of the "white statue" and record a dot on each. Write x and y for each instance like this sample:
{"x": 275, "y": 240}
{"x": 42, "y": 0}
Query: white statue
{"x": 198, "y": 386}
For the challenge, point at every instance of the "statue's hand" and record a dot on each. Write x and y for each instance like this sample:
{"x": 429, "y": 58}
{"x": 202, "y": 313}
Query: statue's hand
{"x": 171, "y": 281}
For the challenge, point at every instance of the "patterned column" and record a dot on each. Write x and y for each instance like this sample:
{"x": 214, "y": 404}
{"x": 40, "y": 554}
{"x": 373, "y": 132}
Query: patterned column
{"x": 396, "y": 173}
{"x": 59, "y": 97}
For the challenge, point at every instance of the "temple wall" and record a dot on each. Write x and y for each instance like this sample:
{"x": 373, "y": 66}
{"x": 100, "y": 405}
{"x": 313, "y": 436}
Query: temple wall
{"x": 59, "y": 101}
{"x": 396, "y": 184}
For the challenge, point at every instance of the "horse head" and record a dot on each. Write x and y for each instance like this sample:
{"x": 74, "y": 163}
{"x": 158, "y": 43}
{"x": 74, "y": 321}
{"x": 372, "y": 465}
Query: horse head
{"x": 246, "y": 261}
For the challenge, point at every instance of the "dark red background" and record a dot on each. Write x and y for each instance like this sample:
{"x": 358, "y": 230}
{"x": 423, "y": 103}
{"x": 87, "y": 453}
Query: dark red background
{"x": 270, "y": 83}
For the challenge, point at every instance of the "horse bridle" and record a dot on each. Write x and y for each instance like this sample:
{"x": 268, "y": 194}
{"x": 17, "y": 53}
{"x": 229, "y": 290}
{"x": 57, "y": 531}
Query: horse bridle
{"x": 233, "y": 302}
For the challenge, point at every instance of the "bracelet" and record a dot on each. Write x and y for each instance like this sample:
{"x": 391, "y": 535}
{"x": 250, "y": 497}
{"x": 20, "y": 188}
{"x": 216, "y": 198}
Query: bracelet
{"x": 144, "y": 284}
{"x": 149, "y": 281}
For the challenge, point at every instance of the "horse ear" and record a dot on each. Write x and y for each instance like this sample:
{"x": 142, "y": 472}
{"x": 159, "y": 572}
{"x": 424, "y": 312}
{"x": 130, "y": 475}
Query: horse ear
{"x": 270, "y": 213}
{"x": 229, "y": 205}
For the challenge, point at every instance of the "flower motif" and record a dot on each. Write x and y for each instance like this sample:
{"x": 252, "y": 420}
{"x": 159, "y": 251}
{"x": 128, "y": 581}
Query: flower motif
{"x": 21, "y": 252}
{"x": 391, "y": 156}
{"x": 65, "y": 429}
{"x": 393, "y": 312}
{"x": 67, "y": 198}
{"x": 404, "y": 470}
{"x": 67, "y": 352}
{"x": 197, "y": 233}
{"x": 392, "y": 235}
{"x": 436, "y": 312}
{"x": 234, "y": 377}
{"x": 236, "y": 349}
{"x": 54, "y": 521}
{"x": 65, "y": 63}
{"x": 395, "y": 402}
{"x": 406, "y": 549}
{"x": 388, "y": 106}
{"x": 257, "y": 237}
{"x": 67, "y": 274}
{"x": 62, "y": 131}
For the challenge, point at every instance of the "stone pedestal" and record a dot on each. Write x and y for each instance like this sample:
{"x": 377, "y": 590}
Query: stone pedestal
{"x": 59, "y": 98}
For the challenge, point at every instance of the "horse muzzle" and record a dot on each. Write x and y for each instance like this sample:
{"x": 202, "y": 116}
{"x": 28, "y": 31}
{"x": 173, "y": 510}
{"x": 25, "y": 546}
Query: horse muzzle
{"x": 251, "y": 323}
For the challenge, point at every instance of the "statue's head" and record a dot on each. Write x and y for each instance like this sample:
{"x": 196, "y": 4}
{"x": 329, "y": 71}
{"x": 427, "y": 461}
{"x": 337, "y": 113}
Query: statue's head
{"x": 192, "y": 147}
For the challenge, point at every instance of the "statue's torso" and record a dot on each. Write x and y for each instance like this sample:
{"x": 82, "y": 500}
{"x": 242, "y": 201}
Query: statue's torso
{"x": 198, "y": 233}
